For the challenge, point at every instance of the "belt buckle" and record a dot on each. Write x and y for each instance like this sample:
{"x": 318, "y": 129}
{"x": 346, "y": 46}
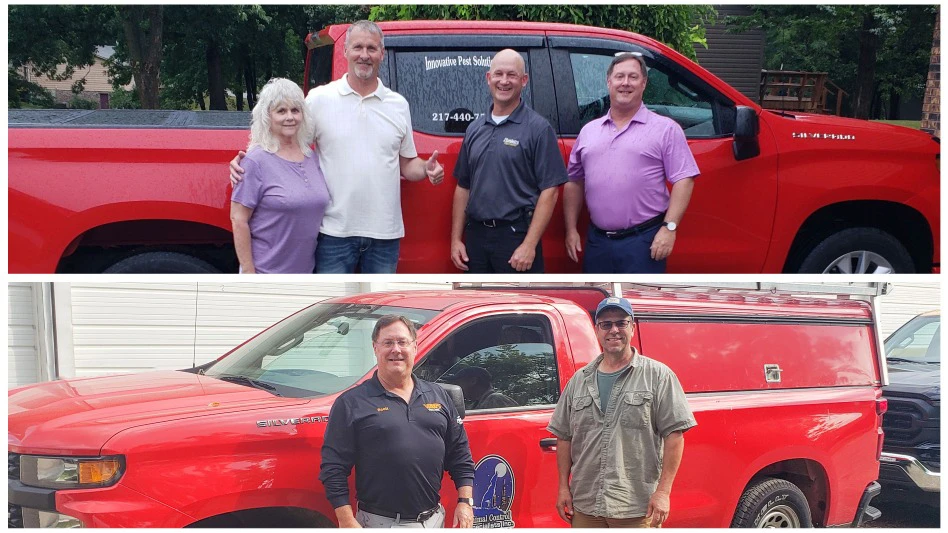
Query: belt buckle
{"x": 492, "y": 223}
{"x": 612, "y": 234}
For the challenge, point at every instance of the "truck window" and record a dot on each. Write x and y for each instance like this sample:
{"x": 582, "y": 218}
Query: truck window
{"x": 320, "y": 68}
{"x": 666, "y": 94}
{"x": 500, "y": 361}
{"x": 446, "y": 89}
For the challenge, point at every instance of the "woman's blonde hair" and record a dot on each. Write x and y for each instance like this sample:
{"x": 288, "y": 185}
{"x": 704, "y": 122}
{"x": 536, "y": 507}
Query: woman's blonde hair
{"x": 278, "y": 91}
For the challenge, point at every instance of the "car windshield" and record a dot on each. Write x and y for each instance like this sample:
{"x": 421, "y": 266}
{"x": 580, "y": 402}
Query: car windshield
{"x": 321, "y": 350}
{"x": 918, "y": 341}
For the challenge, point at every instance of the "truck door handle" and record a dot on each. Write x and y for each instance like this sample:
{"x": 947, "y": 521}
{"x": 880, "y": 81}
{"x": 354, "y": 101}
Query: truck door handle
{"x": 548, "y": 444}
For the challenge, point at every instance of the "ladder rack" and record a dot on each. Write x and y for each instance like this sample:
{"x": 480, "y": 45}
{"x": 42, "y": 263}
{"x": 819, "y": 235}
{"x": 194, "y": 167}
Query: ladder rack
{"x": 860, "y": 290}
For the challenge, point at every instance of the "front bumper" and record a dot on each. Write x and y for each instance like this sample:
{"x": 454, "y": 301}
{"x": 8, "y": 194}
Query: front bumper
{"x": 899, "y": 467}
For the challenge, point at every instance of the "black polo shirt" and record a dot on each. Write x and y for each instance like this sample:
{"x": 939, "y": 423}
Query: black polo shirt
{"x": 400, "y": 451}
{"x": 505, "y": 166}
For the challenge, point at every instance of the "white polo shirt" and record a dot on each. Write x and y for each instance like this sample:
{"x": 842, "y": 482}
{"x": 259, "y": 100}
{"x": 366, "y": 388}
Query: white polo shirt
{"x": 359, "y": 140}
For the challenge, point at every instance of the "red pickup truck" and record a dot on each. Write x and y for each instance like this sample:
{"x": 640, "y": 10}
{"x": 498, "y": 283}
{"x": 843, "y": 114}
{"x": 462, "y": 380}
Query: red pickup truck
{"x": 146, "y": 191}
{"x": 786, "y": 392}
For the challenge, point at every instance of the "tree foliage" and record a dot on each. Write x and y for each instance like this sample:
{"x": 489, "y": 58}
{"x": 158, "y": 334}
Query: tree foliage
{"x": 679, "y": 26}
{"x": 879, "y": 54}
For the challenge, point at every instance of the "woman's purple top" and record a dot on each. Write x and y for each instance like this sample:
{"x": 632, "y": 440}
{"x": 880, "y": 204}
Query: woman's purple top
{"x": 288, "y": 201}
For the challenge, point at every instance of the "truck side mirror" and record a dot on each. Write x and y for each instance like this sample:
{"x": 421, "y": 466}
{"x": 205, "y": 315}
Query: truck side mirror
{"x": 457, "y": 396}
{"x": 746, "y": 128}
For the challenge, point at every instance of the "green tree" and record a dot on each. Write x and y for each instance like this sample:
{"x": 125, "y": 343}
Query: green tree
{"x": 679, "y": 26}
{"x": 876, "y": 53}
{"x": 142, "y": 27}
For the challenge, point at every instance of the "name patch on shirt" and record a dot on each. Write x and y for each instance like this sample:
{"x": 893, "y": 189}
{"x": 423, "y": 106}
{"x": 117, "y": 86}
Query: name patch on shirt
{"x": 433, "y": 406}
{"x": 511, "y": 142}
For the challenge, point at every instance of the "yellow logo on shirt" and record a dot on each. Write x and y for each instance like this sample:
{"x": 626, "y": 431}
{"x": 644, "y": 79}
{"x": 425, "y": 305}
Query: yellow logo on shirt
{"x": 433, "y": 406}
{"x": 380, "y": 409}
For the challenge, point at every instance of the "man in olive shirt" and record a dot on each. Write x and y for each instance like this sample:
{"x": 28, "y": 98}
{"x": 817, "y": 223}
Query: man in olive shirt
{"x": 619, "y": 426}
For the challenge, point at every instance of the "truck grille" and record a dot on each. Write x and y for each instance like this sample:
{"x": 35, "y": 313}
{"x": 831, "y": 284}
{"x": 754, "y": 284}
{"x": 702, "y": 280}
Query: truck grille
{"x": 14, "y": 516}
{"x": 13, "y": 466}
{"x": 911, "y": 426}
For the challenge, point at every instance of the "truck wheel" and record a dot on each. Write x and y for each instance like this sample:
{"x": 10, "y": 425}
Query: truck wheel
{"x": 858, "y": 251}
{"x": 162, "y": 263}
{"x": 772, "y": 503}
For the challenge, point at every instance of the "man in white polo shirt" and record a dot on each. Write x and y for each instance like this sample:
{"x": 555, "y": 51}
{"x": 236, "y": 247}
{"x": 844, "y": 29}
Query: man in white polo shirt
{"x": 363, "y": 135}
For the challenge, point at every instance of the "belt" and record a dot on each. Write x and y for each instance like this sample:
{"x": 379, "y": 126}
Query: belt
{"x": 525, "y": 215}
{"x": 634, "y": 230}
{"x": 405, "y": 517}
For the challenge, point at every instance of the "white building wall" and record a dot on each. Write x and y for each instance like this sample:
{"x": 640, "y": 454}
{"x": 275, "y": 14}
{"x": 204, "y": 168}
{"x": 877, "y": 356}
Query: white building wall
{"x": 108, "y": 327}
{"x": 133, "y": 327}
{"x": 22, "y": 338}
{"x": 906, "y": 300}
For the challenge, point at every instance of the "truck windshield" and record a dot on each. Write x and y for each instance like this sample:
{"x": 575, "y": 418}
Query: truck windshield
{"x": 917, "y": 341}
{"x": 321, "y": 350}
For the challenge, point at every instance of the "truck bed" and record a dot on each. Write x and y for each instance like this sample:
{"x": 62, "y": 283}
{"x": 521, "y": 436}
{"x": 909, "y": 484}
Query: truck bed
{"x": 128, "y": 118}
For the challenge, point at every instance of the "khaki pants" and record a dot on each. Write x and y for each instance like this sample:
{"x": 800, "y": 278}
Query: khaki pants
{"x": 588, "y": 521}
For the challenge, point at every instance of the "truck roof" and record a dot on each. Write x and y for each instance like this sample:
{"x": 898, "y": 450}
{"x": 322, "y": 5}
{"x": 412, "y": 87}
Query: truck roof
{"x": 644, "y": 302}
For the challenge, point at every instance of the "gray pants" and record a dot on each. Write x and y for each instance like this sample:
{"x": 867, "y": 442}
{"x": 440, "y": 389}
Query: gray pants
{"x": 373, "y": 520}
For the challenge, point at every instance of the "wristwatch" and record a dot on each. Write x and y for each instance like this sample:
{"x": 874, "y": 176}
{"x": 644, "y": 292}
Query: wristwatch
{"x": 469, "y": 501}
{"x": 672, "y": 226}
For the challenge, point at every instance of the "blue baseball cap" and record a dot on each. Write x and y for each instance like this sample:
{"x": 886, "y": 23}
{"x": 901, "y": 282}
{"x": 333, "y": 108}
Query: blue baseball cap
{"x": 613, "y": 302}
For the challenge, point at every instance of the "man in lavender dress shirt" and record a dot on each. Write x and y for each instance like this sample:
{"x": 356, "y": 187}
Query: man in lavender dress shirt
{"x": 619, "y": 165}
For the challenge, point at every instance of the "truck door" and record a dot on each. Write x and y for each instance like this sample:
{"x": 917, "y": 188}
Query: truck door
{"x": 728, "y": 224}
{"x": 443, "y": 77}
{"x": 506, "y": 365}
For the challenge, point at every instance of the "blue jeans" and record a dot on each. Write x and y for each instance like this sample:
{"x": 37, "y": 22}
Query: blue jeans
{"x": 341, "y": 255}
{"x": 631, "y": 255}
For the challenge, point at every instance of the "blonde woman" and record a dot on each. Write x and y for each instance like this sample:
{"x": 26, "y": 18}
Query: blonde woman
{"x": 277, "y": 208}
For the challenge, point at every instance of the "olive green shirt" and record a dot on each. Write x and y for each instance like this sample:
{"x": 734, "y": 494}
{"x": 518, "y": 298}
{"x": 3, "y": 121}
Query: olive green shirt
{"x": 617, "y": 454}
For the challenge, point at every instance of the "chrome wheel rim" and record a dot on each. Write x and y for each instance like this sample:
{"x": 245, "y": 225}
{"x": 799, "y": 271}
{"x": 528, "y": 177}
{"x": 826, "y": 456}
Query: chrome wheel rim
{"x": 859, "y": 262}
{"x": 780, "y": 516}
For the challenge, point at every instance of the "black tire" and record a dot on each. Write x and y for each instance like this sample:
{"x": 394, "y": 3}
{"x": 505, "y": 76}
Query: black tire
{"x": 772, "y": 502}
{"x": 161, "y": 263}
{"x": 853, "y": 240}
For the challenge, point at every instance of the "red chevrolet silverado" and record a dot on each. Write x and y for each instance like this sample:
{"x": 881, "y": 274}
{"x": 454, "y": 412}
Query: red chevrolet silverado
{"x": 146, "y": 191}
{"x": 786, "y": 392}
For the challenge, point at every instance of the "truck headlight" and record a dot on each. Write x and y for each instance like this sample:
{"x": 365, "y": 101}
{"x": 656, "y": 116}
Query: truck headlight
{"x": 70, "y": 472}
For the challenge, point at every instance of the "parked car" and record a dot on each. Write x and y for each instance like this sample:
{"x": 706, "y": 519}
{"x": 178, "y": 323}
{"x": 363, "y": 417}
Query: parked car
{"x": 142, "y": 191}
{"x": 911, "y": 452}
{"x": 786, "y": 392}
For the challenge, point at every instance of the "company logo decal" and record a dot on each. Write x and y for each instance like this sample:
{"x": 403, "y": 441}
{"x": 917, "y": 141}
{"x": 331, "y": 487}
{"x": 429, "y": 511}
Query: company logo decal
{"x": 493, "y": 492}
{"x": 433, "y": 406}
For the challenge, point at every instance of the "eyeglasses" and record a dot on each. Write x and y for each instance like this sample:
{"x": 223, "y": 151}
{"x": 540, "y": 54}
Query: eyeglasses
{"x": 607, "y": 325}
{"x": 390, "y": 343}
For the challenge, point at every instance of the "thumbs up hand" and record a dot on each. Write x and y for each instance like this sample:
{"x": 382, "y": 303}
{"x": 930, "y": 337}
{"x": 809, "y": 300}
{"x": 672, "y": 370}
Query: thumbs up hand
{"x": 434, "y": 170}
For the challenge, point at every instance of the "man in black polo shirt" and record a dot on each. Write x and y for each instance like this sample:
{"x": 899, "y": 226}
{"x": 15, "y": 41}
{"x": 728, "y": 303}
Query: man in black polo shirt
{"x": 508, "y": 171}
{"x": 401, "y": 434}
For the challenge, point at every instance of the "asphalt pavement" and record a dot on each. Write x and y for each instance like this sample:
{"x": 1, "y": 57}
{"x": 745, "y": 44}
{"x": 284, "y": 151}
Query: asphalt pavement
{"x": 899, "y": 514}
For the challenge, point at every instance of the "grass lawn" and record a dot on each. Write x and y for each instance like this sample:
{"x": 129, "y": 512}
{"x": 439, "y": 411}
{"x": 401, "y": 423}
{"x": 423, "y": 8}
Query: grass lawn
{"x": 914, "y": 124}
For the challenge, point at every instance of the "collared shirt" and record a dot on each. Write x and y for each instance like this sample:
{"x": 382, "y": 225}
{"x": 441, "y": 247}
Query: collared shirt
{"x": 625, "y": 170}
{"x": 360, "y": 140}
{"x": 506, "y": 166}
{"x": 617, "y": 454}
{"x": 400, "y": 450}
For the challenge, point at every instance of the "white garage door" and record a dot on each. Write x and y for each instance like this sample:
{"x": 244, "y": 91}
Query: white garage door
{"x": 907, "y": 300}
{"x": 133, "y": 327}
{"x": 22, "y": 339}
